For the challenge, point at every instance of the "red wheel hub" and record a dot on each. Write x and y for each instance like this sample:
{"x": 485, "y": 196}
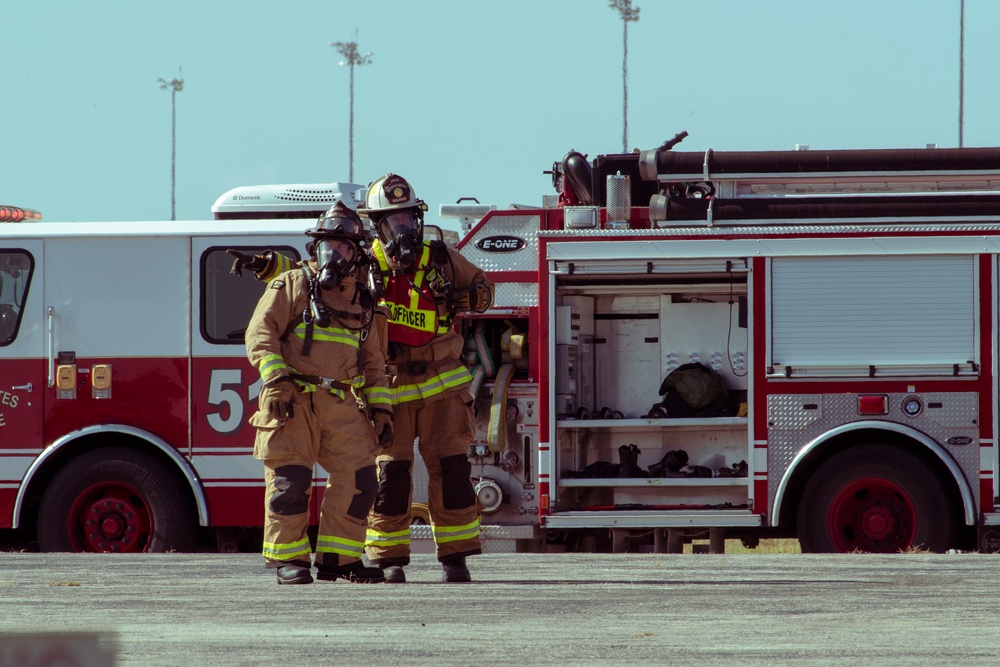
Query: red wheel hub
{"x": 872, "y": 514}
{"x": 110, "y": 517}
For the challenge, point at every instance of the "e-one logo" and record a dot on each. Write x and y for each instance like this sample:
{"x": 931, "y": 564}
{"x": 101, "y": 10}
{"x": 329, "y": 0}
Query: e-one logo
{"x": 501, "y": 244}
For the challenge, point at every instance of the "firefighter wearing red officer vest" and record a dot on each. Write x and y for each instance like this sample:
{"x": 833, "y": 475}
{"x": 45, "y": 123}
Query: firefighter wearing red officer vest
{"x": 426, "y": 284}
{"x": 317, "y": 344}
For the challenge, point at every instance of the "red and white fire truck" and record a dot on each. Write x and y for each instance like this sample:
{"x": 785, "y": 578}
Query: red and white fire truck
{"x": 124, "y": 385}
{"x": 847, "y": 300}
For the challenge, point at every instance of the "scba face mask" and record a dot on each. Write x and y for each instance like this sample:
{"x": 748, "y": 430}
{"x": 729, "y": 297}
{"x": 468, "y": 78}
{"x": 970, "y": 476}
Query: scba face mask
{"x": 335, "y": 259}
{"x": 402, "y": 233}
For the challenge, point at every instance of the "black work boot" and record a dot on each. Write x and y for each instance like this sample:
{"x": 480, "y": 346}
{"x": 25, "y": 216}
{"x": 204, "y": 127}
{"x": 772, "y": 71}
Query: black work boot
{"x": 629, "y": 466}
{"x": 294, "y": 574}
{"x": 455, "y": 571}
{"x": 670, "y": 464}
{"x": 394, "y": 574}
{"x": 355, "y": 572}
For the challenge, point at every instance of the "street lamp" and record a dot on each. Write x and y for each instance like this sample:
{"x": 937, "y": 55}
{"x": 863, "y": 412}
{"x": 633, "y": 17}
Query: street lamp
{"x": 628, "y": 13}
{"x": 174, "y": 86}
{"x": 351, "y": 58}
{"x": 961, "y": 73}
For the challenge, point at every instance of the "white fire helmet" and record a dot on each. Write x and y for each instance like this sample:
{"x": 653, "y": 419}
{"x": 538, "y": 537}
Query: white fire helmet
{"x": 390, "y": 193}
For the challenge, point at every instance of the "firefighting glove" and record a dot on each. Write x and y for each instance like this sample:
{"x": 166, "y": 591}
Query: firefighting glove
{"x": 459, "y": 299}
{"x": 254, "y": 263}
{"x": 277, "y": 399}
{"x": 480, "y": 298}
{"x": 383, "y": 427}
{"x": 477, "y": 298}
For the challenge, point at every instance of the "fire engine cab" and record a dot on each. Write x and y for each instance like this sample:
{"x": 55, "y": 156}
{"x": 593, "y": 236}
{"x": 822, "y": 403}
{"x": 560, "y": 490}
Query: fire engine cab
{"x": 124, "y": 385}
{"x": 840, "y": 307}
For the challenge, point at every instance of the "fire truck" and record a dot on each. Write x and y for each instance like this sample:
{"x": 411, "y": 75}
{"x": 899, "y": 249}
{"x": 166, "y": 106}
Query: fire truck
{"x": 124, "y": 385}
{"x": 845, "y": 302}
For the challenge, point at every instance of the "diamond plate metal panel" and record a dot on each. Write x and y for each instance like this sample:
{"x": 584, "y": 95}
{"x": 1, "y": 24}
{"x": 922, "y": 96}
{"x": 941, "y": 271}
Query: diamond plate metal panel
{"x": 495, "y": 539}
{"x": 792, "y": 411}
{"x": 522, "y": 226}
{"x": 962, "y": 409}
{"x": 515, "y": 295}
{"x": 944, "y": 416}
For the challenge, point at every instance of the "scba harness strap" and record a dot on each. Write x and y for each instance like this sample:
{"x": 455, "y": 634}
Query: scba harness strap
{"x": 319, "y": 314}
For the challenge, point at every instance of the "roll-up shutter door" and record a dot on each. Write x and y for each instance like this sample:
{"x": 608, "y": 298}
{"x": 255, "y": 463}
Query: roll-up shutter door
{"x": 878, "y": 315}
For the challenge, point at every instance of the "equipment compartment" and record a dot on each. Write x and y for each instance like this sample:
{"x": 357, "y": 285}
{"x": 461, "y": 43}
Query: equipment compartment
{"x": 615, "y": 342}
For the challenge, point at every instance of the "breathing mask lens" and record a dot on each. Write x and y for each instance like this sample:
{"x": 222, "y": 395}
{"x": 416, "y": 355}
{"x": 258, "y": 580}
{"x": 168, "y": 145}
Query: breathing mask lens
{"x": 397, "y": 224}
{"x": 335, "y": 260}
{"x": 401, "y": 231}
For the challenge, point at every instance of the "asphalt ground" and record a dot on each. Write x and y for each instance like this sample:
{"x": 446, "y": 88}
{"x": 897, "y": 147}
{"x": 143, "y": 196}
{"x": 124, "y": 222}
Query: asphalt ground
{"x": 521, "y": 609}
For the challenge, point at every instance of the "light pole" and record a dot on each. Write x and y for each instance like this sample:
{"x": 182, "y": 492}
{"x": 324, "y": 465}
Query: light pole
{"x": 961, "y": 72}
{"x": 628, "y": 13}
{"x": 174, "y": 86}
{"x": 351, "y": 58}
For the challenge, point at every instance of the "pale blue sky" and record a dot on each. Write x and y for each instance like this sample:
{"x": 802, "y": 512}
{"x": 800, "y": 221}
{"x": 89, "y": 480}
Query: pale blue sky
{"x": 465, "y": 98}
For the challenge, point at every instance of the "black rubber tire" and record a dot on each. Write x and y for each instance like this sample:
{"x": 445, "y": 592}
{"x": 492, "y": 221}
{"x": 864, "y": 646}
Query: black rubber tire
{"x": 116, "y": 499}
{"x": 876, "y": 498}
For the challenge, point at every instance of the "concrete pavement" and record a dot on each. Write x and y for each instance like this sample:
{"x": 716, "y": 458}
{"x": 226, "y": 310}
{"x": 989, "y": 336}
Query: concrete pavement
{"x": 522, "y": 609}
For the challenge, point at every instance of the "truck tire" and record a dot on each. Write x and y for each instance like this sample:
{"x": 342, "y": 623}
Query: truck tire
{"x": 876, "y": 498}
{"x": 115, "y": 499}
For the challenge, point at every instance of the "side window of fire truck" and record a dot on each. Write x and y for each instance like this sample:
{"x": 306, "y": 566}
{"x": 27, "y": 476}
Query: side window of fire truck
{"x": 16, "y": 268}
{"x": 228, "y": 301}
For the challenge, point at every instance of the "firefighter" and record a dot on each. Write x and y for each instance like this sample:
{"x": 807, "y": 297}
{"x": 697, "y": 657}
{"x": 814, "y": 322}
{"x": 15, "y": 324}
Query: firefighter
{"x": 425, "y": 285}
{"x": 325, "y": 399}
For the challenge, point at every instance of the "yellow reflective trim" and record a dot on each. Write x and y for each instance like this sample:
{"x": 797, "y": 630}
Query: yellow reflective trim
{"x": 457, "y": 529}
{"x": 432, "y": 386}
{"x": 444, "y": 534}
{"x": 379, "y": 250}
{"x": 379, "y": 539}
{"x": 418, "y": 279}
{"x": 379, "y": 397}
{"x": 271, "y": 363}
{"x": 339, "y": 545}
{"x": 329, "y": 334}
{"x": 287, "y": 551}
{"x": 282, "y": 263}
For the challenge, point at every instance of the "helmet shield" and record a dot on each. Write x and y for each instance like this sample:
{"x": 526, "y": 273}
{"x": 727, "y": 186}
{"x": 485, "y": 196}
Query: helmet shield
{"x": 339, "y": 222}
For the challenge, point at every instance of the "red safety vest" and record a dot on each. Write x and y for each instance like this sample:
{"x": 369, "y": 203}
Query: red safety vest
{"x": 413, "y": 313}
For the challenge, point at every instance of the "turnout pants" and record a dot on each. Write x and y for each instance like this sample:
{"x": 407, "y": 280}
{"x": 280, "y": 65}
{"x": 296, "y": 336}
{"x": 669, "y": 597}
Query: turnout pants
{"x": 333, "y": 433}
{"x": 445, "y": 428}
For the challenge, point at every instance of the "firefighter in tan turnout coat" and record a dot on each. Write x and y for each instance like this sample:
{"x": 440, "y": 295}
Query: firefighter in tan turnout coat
{"x": 426, "y": 284}
{"x": 316, "y": 342}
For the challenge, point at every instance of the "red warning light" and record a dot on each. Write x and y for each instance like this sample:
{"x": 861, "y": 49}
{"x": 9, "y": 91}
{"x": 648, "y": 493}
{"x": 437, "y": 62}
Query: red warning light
{"x": 16, "y": 214}
{"x": 873, "y": 405}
